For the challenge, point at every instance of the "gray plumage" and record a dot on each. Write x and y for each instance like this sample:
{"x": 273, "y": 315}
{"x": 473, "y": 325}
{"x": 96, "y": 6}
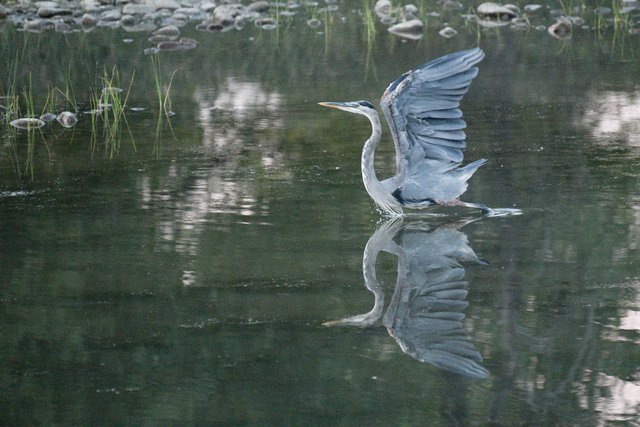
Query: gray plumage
{"x": 426, "y": 312}
{"x": 421, "y": 108}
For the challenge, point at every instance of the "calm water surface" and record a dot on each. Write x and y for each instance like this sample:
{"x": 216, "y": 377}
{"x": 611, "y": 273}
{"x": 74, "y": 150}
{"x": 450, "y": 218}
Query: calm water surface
{"x": 202, "y": 273}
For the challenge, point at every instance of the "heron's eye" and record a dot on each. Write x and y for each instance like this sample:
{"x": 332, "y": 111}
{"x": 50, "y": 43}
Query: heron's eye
{"x": 366, "y": 104}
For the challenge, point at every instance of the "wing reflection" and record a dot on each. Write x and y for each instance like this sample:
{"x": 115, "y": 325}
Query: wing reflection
{"x": 426, "y": 312}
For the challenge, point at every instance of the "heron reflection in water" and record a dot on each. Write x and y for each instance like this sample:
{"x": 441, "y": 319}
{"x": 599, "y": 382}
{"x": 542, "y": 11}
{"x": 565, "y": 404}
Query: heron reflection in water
{"x": 426, "y": 312}
{"x": 421, "y": 108}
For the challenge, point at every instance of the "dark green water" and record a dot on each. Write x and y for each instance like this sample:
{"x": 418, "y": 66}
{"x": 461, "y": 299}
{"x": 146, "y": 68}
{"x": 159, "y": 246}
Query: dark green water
{"x": 184, "y": 278}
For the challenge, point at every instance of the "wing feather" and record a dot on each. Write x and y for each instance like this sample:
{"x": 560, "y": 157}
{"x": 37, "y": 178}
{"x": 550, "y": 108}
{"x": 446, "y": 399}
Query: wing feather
{"x": 453, "y": 113}
{"x": 421, "y": 108}
{"x": 438, "y": 152}
{"x": 443, "y": 142}
{"x": 447, "y": 124}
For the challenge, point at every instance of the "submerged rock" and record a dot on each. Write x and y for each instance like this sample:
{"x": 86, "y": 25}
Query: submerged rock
{"x": 562, "y": 30}
{"x": 266, "y": 23}
{"x": 47, "y": 117}
{"x": 67, "y": 119}
{"x": 238, "y": 23}
{"x": 138, "y": 9}
{"x": 170, "y": 31}
{"x": 88, "y": 20}
{"x": 4, "y": 12}
{"x": 410, "y": 8}
{"x": 48, "y": 12}
{"x": 111, "y": 90}
{"x": 166, "y": 4}
{"x": 224, "y": 17}
{"x": 27, "y": 123}
{"x": 513, "y": 7}
{"x": 629, "y": 6}
{"x": 495, "y": 11}
{"x": 44, "y": 3}
{"x": 408, "y": 12}
{"x": 452, "y": 5}
{"x": 262, "y": 22}
{"x": 183, "y": 44}
{"x": 388, "y": 20}
{"x": 383, "y": 8}
{"x": 144, "y": 26}
{"x": 520, "y": 24}
{"x": 411, "y": 30}
{"x": 157, "y": 39}
{"x": 187, "y": 43}
{"x": 258, "y": 7}
{"x": 532, "y": 8}
{"x": 576, "y": 20}
{"x": 111, "y": 15}
{"x": 602, "y": 10}
{"x": 228, "y": 11}
{"x": 90, "y": 6}
{"x": 128, "y": 21}
{"x": 63, "y": 27}
{"x": 178, "y": 19}
{"x": 215, "y": 26}
{"x": 191, "y": 12}
{"x": 447, "y": 32}
{"x": 37, "y": 25}
{"x": 490, "y": 23}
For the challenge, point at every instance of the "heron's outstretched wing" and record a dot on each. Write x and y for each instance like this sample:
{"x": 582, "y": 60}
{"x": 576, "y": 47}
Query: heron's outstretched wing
{"x": 426, "y": 312}
{"x": 421, "y": 108}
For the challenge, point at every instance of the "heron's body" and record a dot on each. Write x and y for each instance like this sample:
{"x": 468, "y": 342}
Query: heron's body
{"x": 421, "y": 108}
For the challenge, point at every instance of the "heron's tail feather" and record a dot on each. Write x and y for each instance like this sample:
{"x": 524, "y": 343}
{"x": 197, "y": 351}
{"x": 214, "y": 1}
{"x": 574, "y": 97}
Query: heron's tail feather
{"x": 465, "y": 172}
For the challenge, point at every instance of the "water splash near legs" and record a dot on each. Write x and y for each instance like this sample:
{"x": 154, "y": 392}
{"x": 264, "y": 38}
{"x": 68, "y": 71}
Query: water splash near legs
{"x": 502, "y": 212}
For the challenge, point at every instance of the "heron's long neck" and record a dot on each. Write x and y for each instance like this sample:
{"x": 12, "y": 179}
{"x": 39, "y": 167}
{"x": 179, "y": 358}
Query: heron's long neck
{"x": 371, "y": 182}
{"x": 369, "y": 258}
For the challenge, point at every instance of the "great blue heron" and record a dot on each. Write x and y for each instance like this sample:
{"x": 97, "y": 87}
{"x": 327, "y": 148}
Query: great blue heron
{"x": 421, "y": 108}
{"x": 426, "y": 312}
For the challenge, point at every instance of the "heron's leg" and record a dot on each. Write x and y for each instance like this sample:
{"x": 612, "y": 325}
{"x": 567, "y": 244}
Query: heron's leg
{"x": 485, "y": 209}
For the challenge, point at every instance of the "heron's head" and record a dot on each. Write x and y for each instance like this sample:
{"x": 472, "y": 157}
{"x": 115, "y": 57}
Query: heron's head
{"x": 359, "y": 107}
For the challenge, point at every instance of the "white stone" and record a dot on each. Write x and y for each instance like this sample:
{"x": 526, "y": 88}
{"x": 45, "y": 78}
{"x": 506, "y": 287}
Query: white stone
{"x": 138, "y": 9}
{"x": 165, "y": 4}
{"x": 494, "y": 11}
{"x": 208, "y": 6}
{"x": 532, "y": 8}
{"x": 88, "y": 20}
{"x": 48, "y": 4}
{"x": 411, "y": 30}
{"x": 258, "y": 6}
{"x": 111, "y": 15}
{"x": 447, "y": 32}
{"x": 383, "y": 8}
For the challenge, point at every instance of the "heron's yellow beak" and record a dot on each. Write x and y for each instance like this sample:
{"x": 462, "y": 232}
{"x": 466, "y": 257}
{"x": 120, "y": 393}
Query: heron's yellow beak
{"x": 338, "y": 105}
